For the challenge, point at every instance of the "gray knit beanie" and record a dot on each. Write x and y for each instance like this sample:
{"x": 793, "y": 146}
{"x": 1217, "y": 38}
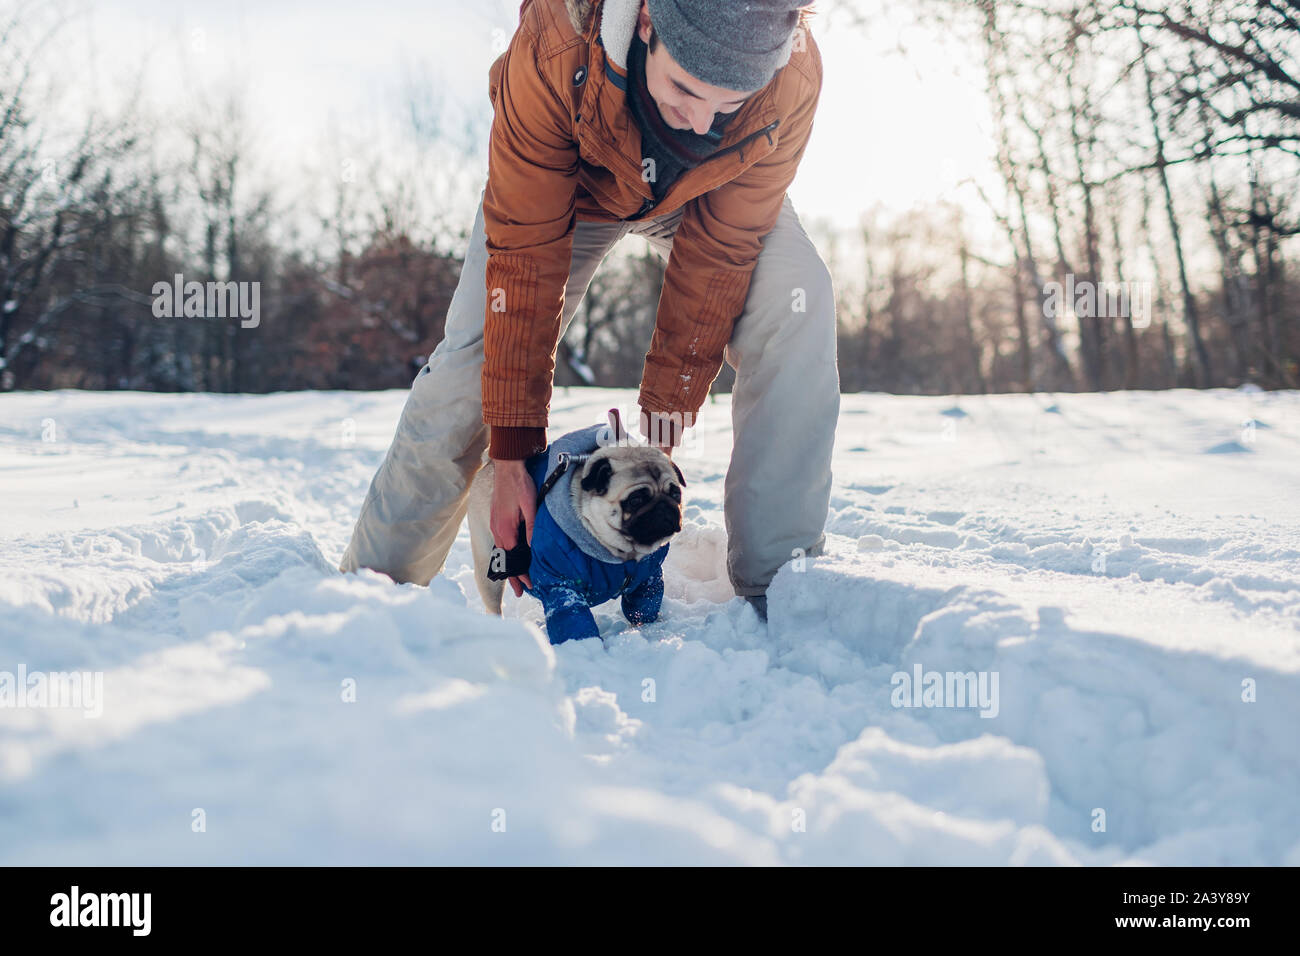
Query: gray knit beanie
{"x": 737, "y": 44}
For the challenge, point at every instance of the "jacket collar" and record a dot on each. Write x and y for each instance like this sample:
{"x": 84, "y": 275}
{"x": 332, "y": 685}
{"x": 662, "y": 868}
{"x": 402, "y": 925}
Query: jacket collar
{"x": 617, "y": 26}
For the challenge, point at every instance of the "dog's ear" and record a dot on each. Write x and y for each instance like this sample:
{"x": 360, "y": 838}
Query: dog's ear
{"x": 596, "y": 480}
{"x": 616, "y": 428}
{"x": 680, "y": 480}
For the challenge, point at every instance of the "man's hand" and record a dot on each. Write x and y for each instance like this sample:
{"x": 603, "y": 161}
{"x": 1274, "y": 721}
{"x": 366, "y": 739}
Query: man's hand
{"x": 514, "y": 497}
{"x": 652, "y": 427}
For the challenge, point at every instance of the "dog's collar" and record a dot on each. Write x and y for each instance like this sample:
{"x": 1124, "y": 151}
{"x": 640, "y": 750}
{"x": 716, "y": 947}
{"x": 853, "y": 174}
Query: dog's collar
{"x": 563, "y": 460}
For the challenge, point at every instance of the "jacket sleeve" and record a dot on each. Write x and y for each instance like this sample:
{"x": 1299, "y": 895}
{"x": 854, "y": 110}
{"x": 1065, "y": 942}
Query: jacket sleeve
{"x": 528, "y": 217}
{"x": 715, "y": 249}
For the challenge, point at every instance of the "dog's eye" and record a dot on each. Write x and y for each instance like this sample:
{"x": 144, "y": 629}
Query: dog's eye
{"x": 636, "y": 499}
{"x": 674, "y": 493}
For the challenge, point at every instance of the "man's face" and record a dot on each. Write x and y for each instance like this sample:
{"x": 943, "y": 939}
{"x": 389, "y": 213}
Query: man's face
{"x": 684, "y": 102}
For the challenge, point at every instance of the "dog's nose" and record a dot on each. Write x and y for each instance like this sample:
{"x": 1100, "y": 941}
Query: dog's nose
{"x": 660, "y": 521}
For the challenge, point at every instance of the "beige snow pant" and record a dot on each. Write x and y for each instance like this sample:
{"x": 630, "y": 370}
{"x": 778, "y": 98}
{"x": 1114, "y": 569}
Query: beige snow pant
{"x": 784, "y": 409}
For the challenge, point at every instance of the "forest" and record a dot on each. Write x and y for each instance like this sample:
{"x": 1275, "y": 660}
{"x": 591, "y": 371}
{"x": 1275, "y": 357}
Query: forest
{"x": 1142, "y": 196}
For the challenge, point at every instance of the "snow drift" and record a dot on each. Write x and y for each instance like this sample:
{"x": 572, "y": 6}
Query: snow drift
{"x": 1126, "y": 569}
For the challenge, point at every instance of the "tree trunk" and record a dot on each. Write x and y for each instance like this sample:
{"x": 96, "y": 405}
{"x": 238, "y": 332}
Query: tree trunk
{"x": 1200, "y": 368}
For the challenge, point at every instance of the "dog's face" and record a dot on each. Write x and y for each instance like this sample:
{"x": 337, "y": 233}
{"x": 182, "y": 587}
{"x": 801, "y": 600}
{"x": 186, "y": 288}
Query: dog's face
{"x": 630, "y": 498}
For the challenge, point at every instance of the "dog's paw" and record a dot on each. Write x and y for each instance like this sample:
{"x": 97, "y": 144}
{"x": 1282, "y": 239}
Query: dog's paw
{"x": 637, "y": 618}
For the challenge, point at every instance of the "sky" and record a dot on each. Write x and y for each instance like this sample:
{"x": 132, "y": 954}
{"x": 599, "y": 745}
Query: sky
{"x": 892, "y": 130}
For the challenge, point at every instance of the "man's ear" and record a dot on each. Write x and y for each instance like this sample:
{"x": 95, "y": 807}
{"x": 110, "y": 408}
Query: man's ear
{"x": 643, "y": 22}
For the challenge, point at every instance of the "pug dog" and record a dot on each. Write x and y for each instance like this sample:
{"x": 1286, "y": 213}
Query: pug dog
{"x": 605, "y": 516}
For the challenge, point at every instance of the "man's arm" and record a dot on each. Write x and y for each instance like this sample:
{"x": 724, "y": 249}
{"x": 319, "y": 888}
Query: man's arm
{"x": 715, "y": 250}
{"x": 528, "y": 208}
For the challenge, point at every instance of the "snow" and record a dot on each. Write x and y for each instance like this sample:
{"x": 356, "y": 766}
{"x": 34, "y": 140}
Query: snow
{"x": 1125, "y": 566}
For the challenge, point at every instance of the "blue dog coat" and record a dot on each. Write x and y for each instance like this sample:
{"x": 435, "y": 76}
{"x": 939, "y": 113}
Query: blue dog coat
{"x": 571, "y": 571}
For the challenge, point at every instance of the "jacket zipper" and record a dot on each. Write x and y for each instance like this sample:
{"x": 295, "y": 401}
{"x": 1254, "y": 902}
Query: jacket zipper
{"x": 649, "y": 204}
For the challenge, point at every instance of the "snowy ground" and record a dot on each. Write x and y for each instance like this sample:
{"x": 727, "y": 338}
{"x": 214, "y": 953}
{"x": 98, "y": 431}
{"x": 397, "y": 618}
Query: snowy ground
{"x": 1127, "y": 566}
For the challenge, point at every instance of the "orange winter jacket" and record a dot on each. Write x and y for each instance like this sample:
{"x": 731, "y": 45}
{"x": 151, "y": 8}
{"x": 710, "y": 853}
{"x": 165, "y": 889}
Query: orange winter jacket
{"x": 565, "y": 147}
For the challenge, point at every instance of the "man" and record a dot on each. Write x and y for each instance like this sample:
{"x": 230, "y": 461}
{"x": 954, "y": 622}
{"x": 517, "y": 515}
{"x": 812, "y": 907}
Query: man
{"x": 682, "y": 121}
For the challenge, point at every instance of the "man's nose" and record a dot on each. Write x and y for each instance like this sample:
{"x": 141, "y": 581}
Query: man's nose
{"x": 702, "y": 119}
